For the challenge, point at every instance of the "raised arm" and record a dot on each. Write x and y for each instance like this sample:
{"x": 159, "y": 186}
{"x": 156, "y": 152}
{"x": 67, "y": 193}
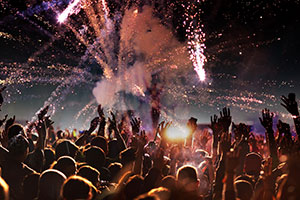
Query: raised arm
{"x": 267, "y": 122}
{"x": 82, "y": 139}
{"x": 232, "y": 162}
{"x": 113, "y": 124}
{"x": 101, "y": 129}
{"x": 290, "y": 104}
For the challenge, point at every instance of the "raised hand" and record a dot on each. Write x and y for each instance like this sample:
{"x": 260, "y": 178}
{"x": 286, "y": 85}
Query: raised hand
{"x": 139, "y": 141}
{"x": 135, "y": 125}
{"x": 267, "y": 119}
{"x": 225, "y": 119}
{"x": 101, "y": 129}
{"x": 100, "y": 111}
{"x": 283, "y": 128}
{"x": 162, "y": 129}
{"x": 48, "y": 121}
{"x": 40, "y": 127}
{"x": 112, "y": 121}
{"x": 215, "y": 126}
{"x": 290, "y": 104}
{"x": 94, "y": 124}
{"x": 43, "y": 112}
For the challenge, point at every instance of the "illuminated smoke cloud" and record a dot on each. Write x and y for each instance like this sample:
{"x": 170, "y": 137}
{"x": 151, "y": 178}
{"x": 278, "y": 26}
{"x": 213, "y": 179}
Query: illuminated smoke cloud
{"x": 142, "y": 39}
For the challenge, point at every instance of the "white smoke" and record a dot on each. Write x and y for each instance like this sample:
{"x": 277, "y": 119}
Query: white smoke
{"x": 153, "y": 48}
{"x": 134, "y": 81}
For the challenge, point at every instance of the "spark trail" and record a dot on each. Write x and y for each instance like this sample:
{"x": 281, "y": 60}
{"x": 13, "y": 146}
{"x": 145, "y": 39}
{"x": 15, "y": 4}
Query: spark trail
{"x": 196, "y": 41}
{"x": 68, "y": 11}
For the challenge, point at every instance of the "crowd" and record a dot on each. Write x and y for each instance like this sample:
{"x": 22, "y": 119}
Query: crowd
{"x": 115, "y": 160}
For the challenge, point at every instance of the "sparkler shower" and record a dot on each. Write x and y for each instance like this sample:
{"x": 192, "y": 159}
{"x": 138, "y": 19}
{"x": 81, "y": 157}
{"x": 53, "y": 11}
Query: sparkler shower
{"x": 204, "y": 55}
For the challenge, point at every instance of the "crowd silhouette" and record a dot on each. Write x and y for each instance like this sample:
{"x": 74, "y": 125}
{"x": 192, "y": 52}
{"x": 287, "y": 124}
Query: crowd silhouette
{"x": 115, "y": 159}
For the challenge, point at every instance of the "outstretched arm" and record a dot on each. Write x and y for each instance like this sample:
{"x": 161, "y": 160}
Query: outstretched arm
{"x": 267, "y": 122}
{"x": 113, "y": 124}
{"x": 291, "y": 106}
{"x": 101, "y": 129}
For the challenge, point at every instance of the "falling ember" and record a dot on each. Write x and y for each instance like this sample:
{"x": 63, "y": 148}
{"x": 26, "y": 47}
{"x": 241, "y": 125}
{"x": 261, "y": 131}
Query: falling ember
{"x": 68, "y": 11}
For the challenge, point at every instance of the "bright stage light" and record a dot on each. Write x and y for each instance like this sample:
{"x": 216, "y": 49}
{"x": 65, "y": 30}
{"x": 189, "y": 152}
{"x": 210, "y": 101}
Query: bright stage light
{"x": 178, "y": 133}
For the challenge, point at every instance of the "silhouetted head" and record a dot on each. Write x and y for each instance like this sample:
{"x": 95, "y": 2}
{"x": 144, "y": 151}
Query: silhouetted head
{"x": 134, "y": 187}
{"x": 14, "y": 130}
{"x": 115, "y": 169}
{"x": 18, "y": 148}
{"x": 30, "y": 186}
{"x": 66, "y": 165}
{"x": 95, "y": 157}
{"x": 113, "y": 149}
{"x": 49, "y": 157}
{"x": 246, "y": 177}
{"x": 100, "y": 142}
{"x": 169, "y": 182}
{"x": 244, "y": 190}
{"x": 187, "y": 177}
{"x": 161, "y": 192}
{"x": 152, "y": 179}
{"x": 127, "y": 156}
{"x": 50, "y": 184}
{"x": 147, "y": 197}
{"x": 253, "y": 164}
{"x": 60, "y": 134}
{"x": 76, "y": 187}
{"x": 65, "y": 148}
{"x": 90, "y": 173}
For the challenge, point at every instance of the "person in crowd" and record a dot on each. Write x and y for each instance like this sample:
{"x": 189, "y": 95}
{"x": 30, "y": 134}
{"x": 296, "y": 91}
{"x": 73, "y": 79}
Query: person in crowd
{"x": 117, "y": 161}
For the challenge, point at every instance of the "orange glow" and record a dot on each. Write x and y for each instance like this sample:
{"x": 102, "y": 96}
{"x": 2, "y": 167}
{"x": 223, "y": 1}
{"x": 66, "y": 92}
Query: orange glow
{"x": 177, "y": 133}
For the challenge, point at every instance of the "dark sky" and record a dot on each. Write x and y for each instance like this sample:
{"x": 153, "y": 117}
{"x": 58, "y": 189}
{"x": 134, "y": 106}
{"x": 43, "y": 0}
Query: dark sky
{"x": 252, "y": 49}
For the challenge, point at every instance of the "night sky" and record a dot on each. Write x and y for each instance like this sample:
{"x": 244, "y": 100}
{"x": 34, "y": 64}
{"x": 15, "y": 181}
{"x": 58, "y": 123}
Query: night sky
{"x": 252, "y": 51}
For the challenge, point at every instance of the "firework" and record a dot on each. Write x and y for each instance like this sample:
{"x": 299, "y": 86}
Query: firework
{"x": 71, "y": 9}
